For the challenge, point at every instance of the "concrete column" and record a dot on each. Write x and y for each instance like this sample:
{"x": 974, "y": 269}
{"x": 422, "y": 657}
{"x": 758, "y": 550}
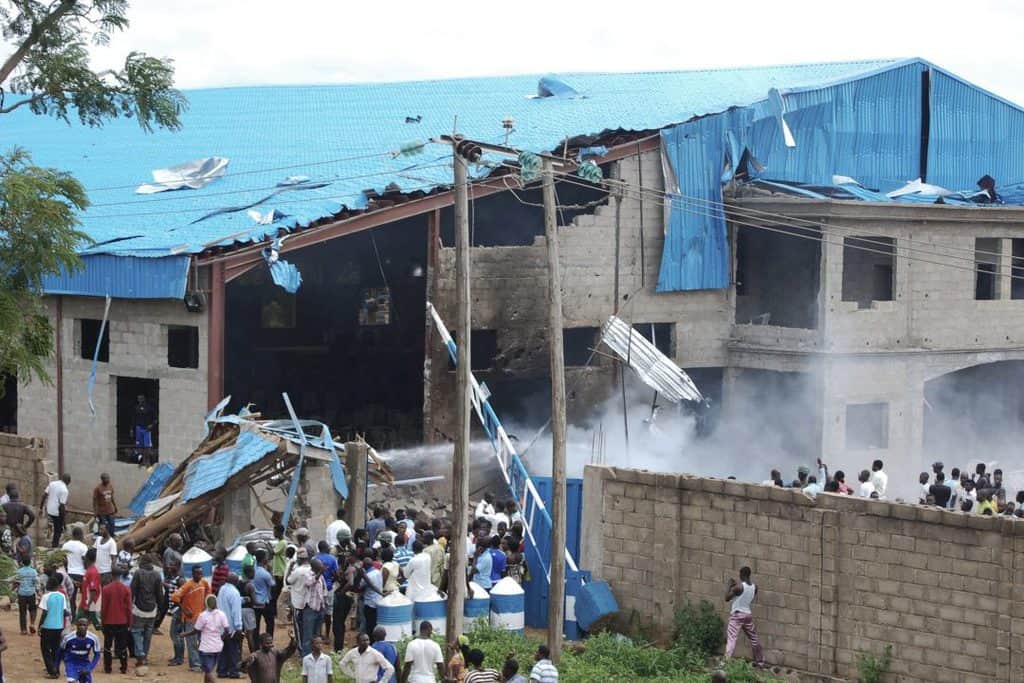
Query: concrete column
{"x": 355, "y": 468}
{"x": 1003, "y": 281}
{"x": 236, "y": 518}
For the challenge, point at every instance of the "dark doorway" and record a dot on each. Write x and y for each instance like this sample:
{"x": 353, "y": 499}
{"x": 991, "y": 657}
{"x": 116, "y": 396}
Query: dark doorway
{"x": 128, "y": 391}
{"x": 9, "y": 405}
{"x": 348, "y": 346}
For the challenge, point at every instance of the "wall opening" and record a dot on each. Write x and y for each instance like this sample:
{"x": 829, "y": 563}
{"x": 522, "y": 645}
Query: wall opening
{"x": 869, "y": 269}
{"x": 578, "y": 344}
{"x": 183, "y": 346}
{"x": 9, "y": 405}
{"x": 483, "y": 348}
{"x": 977, "y": 412}
{"x": 348, "y": 346}
{"x": 780, "y": 411}
{"x": 986, "y": 262}
{"x": 778, "y": 277}
{"x": 132, "y": 413}
{"x": 502, "y": 220}
{"x": 1017, "y": 268}
{"x": 662, "y": 335}
{"x": 89, "y": 332}
{"x": 867, "y": 426}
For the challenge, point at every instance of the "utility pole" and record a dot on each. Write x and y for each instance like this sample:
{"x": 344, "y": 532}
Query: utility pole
{"x": 556, "y": 592}
{"x": 457, "y": 586}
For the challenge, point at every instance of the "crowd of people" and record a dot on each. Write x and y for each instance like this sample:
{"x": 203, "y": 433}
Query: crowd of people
{"x": 976, "y": 492}
{"x": 321, "y": 592}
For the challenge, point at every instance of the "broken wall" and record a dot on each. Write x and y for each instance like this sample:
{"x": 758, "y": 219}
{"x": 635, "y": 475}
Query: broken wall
{"x": 138, "y": 348}
{"x": 509, "y": 295}
{"x": 24, "y": 463}
{"x": 835, "y": 577}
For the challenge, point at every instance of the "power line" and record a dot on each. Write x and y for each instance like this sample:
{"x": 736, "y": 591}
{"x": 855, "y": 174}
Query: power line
{"x": 680, "y": 201}
{"x": 258, "y": 170}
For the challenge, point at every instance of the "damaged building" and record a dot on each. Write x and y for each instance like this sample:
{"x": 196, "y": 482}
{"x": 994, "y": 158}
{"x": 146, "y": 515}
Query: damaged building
{"x": 834, "y": 240}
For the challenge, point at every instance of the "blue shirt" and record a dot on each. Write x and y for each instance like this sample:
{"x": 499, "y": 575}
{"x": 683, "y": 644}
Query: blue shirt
{"x": 263, "y": 583}
{"x": 390, "y": 654}
{"x": 374, "y": 527}
{"x": 54, "y": 603}
{"x": 229, "y": 601}
{"x": 375, "y": 579}
{"x": 497, "y": 564}
{"x": 27, "y": 577}
{"x": 330, "y": 568}
{"x": 484, "y": 563}
{"x": 80, "y": 654}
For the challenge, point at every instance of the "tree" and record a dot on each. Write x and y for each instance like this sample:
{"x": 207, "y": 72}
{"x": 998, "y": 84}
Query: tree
{"x": 48, "y": 72}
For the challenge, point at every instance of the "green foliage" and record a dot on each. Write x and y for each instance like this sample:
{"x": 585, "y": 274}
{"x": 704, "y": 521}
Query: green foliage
{"x": 699, "y": 628}
{"x": 603, "y": 658}
{"x": 37, "y": 237}
{"x": 50, "y": 65}
{"x": 871, "y": 668}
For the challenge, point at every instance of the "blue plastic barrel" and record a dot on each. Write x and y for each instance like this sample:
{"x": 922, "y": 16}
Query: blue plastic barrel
{"x": 594, "y": 603}
{"x": 430, "y": 607}
{"x": 394, "y": 613}
{"x": 196, "y": 556}
{"x": 478, "y": 603}
{"x": 508, "y": 605}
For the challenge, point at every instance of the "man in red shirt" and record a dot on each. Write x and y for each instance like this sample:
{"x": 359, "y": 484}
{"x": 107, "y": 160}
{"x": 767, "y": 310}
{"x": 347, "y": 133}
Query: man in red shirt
{"x": 91, "y": 590}
{"x": 220, "y": 569}
{"x": 116, "y": 610}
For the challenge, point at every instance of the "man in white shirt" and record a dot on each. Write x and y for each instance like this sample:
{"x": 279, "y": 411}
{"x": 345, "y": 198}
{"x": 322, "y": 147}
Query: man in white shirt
{"x": 417, "y": 573}
{"x": 879, "y": 478}
{"x": 485, "y": 508}
{"x": 106, "y": 553}
{"x": 422, "y": 657}
{"x": 361, "y": 663}
{"x": 74, "y": 555}
{"x": 55, "y": 498}
{"x": 297, "y": 579}
{"x": 334, "y": 528}
{"x": 318, "y": 667}
{"x": 866, "y": 488}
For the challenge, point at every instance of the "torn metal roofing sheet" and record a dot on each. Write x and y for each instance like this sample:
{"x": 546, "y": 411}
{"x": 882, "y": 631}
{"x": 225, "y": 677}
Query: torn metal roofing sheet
{"x": 654, "y": 368}
{"x": 270, "y": 133}
{"x": 212, "y": 471}
{"x": 151, "y": 489}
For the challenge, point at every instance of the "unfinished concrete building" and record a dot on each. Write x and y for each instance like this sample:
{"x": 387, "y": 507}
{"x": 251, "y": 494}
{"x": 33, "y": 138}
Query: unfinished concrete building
{"x": 751, "y": 224}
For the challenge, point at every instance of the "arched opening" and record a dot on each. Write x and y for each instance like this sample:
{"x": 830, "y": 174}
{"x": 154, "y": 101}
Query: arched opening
{"x": 976, "y": 414}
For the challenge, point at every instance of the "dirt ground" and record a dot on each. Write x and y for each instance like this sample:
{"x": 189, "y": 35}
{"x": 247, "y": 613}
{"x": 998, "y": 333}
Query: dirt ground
{"x": 23, "y": 661}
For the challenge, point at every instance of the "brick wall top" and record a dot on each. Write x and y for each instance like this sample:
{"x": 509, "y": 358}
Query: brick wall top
{"x": 824, "y": 501}
{"x": 18, "y": 441}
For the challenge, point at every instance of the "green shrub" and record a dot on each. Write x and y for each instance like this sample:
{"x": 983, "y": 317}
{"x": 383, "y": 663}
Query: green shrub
{"x": 699, "y": 629}
{"x": 872, "y": 668}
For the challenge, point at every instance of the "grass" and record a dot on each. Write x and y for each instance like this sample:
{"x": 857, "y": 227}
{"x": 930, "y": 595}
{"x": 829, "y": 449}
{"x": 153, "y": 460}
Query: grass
{"x": 603, "y": 658}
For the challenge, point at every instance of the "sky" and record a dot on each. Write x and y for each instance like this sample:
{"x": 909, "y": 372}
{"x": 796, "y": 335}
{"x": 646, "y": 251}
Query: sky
{"x": 247, "y": 42}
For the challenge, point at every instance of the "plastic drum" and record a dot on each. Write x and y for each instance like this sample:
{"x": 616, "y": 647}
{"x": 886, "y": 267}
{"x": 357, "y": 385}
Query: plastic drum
{"x": 196, "y": 556}
{"x": 431, "y": 607}
{"x": 394, "y": 613}
{"x": 478, "y": 603}
{"x": 508, "y": 606}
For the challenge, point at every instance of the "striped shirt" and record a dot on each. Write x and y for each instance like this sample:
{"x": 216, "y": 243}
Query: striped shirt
{"x": 483, "y": 676}
{"x": 544, "y": 672}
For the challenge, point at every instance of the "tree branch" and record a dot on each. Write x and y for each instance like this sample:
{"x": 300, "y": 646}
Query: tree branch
{"x": 38, "y": 30}
{"x": 30, "y": 100}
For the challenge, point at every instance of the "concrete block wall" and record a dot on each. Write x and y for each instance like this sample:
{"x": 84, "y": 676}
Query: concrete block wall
{"x": 835, "y": 576}
{"x": 138, "y": 348}
{"x": 24, "y": 462}
{"x": 509, "y": 293}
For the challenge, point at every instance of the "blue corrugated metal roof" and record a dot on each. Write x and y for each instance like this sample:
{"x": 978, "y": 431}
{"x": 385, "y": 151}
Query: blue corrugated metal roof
{"x": 124, "y": 277}
{"x": 152, "y": 488}
{"x": 214, "y": 470}
{"x": 302, "y": 127}
{"x": 867, "y": 126}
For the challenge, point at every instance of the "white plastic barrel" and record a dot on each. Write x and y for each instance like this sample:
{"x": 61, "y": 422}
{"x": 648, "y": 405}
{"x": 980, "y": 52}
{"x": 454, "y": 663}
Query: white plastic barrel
{"x": 429, "y": 607}
{"x": 394, "y": 613}
{"x": 235, "y": 558}
{"x": 508, "y": 606}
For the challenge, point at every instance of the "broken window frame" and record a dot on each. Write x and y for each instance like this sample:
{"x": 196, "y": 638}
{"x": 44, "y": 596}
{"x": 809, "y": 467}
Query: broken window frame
{"x": 987, "y": 254}
{"x": 871, "y": 247}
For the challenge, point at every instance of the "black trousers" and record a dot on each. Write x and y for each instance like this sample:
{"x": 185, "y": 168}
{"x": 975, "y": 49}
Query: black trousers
{"x": 49, "y": 642}
{"x": 26, "y": 608}
{"x": 266, "y": 614}
{"x": 342, "y": 606}
{"x": 58, "y": 529}
{"x": 115, "y": 644}
{"x": 369, "y": 619}
{"x": 230, "y": 656}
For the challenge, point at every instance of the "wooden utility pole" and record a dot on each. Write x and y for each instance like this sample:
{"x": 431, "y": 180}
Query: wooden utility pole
{"x": 556, "y": 592}
{"x": 355, "y": 464}
{"x": 457, "y": 587}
